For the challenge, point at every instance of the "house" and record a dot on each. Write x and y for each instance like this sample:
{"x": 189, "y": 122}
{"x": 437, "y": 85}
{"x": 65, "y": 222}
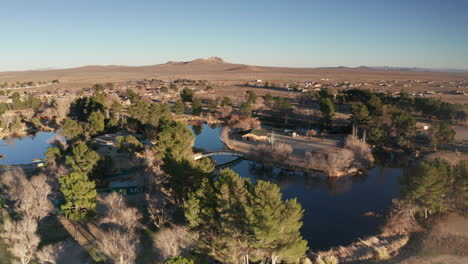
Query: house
{"x": 255, "y": 135}
{"x": 422, "y": 126}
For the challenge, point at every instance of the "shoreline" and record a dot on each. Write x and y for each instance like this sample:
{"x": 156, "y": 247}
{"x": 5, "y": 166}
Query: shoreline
{"x": 20, "y": 133}
{"x": 394, "y": 235}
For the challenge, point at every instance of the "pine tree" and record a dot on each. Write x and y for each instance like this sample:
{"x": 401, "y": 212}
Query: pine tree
{"x": 82, "y": 159}
{"x": 79, "y": 193}
{"x": 427, "y": 186}
{"x": 441, "y": 134}
{"x": 71, "y": 129}
{"x": 328, "y": 111}
{"x": 359, "y": 117}
{"x": 218, "y": 212}
{"x": 116, "y": 109}
{"x": 96, "y": 122}
{"x": 186, "y": 175}
{"x": 238, "y": 222}
{"x": 174, "y": 138}
{"x": 460, "y": 185}
{"x": 178, "y": 107}
{"x": 276, "y": 224}
{"x": 197, "y": 107}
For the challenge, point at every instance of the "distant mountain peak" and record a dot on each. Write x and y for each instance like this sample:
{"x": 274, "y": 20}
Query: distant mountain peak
{"x": 199, "y": 61}
{"x": 209, "y": 60}
{"x": 215, "y": 59}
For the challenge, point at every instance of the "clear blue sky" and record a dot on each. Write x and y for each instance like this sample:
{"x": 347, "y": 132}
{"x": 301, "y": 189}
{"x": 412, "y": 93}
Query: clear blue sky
{"x": 297, "y": 33}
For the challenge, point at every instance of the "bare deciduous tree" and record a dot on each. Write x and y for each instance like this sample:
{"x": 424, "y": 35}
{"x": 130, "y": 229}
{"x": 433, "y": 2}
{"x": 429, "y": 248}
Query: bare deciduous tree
{"x": 277, "y": 152}
{"x": 173, "y": 242}
{"x": 63, "y": 105}
{"x": 22, "y": 238}
{"x": 30, "y": 196}
{"x": 115, "y": 211}
{"x": 226, "y": 111}
{"x": 244, "y": 123}
{"x": 66, "y": 252}
{"x": 158, "y": 210}
{"x": 361, "y": 150}
{"x": 258, "y": 104}
{"x": 121, "y": 246}
{"x": 333, "y": 164}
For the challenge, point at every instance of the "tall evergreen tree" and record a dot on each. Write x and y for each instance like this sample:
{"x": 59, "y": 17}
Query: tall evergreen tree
{"x": 71, "y": 129}
{"x": 359, "y": 117}
{"x": 82, "y": 159}
{"x": 185, "y": 175}
{"x": 442, "y": 133}
{"x": 197, "y": 107}
{"x": 96, "y": 122}
{"x": 79, "y": 193}
{"x": 246, "y": 109}
{"x": 238, "y": 222}
{"x": 276, "y": 224}
{"x": 460, "y": 185}
{"x": 178, "y": 107}
{"x": 328, "y": 111}
{"x": 427, "y": 186}
{"x": 174, "y": 138}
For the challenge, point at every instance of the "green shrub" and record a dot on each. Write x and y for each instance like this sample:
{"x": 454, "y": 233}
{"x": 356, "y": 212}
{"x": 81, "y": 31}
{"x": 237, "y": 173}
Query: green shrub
{"x": 179, "y": 260}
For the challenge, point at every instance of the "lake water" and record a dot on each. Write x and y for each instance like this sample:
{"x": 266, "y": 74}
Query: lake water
{"x": 334, "y": 209}
{"x": 22, "y": 150}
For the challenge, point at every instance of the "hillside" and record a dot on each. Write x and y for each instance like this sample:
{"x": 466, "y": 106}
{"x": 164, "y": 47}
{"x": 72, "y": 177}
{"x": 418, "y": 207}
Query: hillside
{"x": 217, "y": 69}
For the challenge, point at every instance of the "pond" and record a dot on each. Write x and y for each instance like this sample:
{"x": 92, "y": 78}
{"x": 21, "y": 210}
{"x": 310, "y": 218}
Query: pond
{"x": 336, "y": 211}
{"x": 23, "y": 149}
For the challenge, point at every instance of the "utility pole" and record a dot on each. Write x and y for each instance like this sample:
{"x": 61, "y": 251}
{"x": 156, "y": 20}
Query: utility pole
{"x": 272, "y": 141}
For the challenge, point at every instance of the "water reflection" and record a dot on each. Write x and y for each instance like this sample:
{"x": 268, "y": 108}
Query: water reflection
{"x": 197, "y": 129}
{"x": 23, "y": 149}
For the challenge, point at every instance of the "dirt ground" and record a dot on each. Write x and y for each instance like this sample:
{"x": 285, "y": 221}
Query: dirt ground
{"x": 445, "y": 243}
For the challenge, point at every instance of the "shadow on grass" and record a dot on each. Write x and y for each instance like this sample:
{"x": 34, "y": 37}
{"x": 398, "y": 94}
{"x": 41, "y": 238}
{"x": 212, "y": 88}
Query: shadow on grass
{"x": 51, "y": 231}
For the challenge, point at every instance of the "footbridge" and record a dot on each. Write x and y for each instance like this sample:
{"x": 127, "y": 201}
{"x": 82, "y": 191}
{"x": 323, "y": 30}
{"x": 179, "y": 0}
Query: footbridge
{"x": 28, "y": 166}
{"x": 198, "y": 156}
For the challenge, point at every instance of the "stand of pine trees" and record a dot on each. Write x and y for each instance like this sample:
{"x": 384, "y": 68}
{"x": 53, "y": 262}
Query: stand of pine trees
{"x": 237, "y": 221}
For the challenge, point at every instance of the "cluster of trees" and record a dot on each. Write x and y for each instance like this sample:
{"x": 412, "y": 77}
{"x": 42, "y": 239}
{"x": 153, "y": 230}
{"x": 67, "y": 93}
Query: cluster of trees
{"x": 429, "y": 107}
{"x": 30, "y": 102}
{"x": 89, "y": 116}
{"x": 236, "y": 221}
{"x": 24, "y": 84}
{"x": 17, "y": 122}
{"x": 356, "y": 155}
{"x": 29, "y": 205}
{"x": 387, "y": 120}
{"x": 434, "y": 186}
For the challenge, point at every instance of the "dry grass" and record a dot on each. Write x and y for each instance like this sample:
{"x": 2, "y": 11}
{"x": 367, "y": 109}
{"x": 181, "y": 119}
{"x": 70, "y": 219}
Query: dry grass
{"x": 381, "y": 253}
{"x": 394, "y": 235}
{"x": 326, "y": 260}
{"x": 365, "y": 249}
